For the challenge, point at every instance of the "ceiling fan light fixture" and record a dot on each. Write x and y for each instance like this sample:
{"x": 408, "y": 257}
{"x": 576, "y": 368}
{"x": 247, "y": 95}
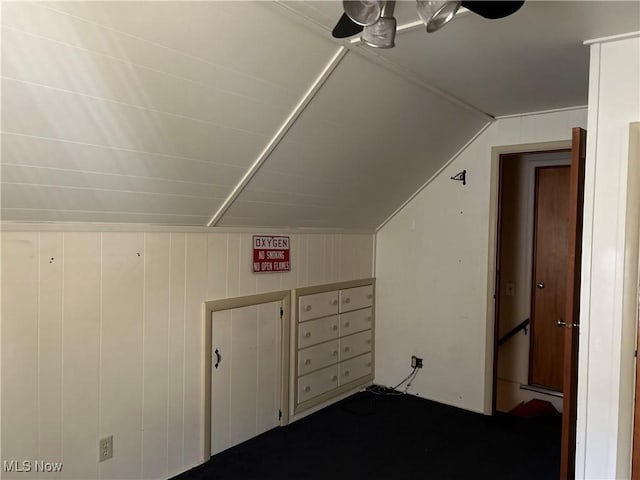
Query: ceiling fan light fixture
{"x": 436, "y": 14}
{"x": 381, "y": 34}
{"x": 363, "y": 12}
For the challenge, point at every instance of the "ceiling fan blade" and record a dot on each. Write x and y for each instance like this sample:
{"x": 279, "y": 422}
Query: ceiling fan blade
{"x": 346, "y": 27}
{"x": 492, "y": 10}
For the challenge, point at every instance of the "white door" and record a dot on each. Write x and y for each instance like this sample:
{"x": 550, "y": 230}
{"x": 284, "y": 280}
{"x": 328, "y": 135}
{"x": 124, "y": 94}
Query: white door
{"x": 245, "y": 373}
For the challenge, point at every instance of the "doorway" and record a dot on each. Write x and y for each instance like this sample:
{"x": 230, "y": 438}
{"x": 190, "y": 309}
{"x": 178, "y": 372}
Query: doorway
{"x": 530, "y": 286}
{"x": 570, "y": 320}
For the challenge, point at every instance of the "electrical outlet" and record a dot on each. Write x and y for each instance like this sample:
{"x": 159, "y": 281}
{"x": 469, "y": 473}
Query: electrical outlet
{"x": 416, "y": 362}
{"x": 105, "y": 448}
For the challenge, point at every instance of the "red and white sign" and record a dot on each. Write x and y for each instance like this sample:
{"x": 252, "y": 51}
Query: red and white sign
{"x": 271, "y": 254}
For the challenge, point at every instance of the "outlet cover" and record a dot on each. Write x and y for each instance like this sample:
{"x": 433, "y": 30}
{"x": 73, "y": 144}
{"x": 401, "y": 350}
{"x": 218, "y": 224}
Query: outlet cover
{"x": 105, "y": 448}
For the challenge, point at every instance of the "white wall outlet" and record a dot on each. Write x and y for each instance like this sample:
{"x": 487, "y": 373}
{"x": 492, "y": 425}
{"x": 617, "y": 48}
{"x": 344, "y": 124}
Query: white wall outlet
{"x": 105, "y": 448}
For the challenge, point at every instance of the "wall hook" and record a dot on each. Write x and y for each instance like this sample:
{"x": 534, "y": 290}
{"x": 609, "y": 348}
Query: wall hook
{"x": 461, "y": 177}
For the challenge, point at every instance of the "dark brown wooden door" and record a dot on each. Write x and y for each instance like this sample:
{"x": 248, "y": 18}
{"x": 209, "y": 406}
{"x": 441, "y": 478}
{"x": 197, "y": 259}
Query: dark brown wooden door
{"x": 551, "y": 227}
{"x": 571, "y": 318}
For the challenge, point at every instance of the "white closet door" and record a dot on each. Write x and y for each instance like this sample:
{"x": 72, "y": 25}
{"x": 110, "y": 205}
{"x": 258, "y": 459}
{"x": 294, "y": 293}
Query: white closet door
{"x": 245, "y": 384}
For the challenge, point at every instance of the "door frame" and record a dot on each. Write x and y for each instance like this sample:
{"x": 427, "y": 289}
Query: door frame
{"x": 491, "y": 358}
{"x": 211, "y": 306}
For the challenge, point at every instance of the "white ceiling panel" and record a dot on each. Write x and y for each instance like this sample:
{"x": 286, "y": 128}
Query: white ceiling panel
{"x": 74, "y": 216}
{"x": 47, "y": 197}
{"x": 153, "y": 112}
{"x": 158, "y": 108}
{"x": 530, "y": 61}
{"x": 370, "y": 137}
{"x": 77, "y": 70}
{"x": 245, "y": 38}
{"x": 40, "y": 152}
{"x": 19, "y": 174}
{"x": 51, "y": 113}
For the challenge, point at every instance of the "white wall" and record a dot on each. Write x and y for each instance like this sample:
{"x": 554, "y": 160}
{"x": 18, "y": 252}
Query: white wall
{"x": 433, "y": 270}
{"x": 102, "y": 334}
{"x": 609, "y": 264}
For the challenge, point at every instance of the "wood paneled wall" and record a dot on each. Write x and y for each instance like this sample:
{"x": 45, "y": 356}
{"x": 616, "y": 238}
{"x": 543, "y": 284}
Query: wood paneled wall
{"x": 102, "y": 335}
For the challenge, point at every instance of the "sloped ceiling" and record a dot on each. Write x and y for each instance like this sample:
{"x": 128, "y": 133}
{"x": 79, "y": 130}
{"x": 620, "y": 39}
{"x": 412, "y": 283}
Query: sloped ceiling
{"x": 249, "y": 113}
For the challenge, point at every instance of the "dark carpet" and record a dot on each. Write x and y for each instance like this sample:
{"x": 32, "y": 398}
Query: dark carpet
{"x": 369, "y": 436}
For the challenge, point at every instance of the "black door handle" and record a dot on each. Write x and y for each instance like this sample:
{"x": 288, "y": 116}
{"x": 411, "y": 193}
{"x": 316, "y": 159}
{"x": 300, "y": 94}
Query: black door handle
{"x": 218, "y": 358}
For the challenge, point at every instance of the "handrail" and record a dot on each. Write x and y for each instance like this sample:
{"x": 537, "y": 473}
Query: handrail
{"x": 521, "y": 326}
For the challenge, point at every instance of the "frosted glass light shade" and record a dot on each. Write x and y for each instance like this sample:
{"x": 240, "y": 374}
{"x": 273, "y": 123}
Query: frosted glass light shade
{"x": 363, "y": 12}
{"x": 381, "y": 34}
{"x": 437, "y": 14}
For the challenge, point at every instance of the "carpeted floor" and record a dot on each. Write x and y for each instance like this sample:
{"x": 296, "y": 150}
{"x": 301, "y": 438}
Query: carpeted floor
{"x": 368, "y": 436}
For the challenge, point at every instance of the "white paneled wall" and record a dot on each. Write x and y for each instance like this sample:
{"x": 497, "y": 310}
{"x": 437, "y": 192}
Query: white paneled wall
{"x": 432, "y": 271}
{"x": 102, "y": 335}
{"x": 609, "y": 294}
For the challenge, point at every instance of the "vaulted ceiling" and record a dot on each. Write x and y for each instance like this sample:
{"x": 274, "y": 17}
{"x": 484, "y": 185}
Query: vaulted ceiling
{"x": 249, "y": 113}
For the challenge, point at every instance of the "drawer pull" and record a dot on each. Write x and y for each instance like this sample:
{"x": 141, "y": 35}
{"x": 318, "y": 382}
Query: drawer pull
{"x": 334, "y": 378}
{"x": 369, "y": 295}
{"x": 307, "y": 361}
{"x": 368, "y": 341}
{"x": 307, "y": 335}
{"x": 347, "y": 300}
{"x": 334, "y": 327}
{"x": 346, "y": 324}
{"x": 368, "y": 318}
{"x": 307, "y": 389}
{"x": 346, "y": 349}
{"x": 368, "y": 364}
{"x": 307, "y": 308}
{"x": 335, "y": 353}
{"x": 334, "y": 302}
{"x": 346, "y": 373}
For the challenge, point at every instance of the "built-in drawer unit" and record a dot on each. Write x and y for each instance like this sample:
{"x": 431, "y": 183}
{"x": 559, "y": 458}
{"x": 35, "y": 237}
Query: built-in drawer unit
{"x": 353, "y": 369}
{"x": 317, "y": 305}
{"x": 317, "y": 383}
{"x": 318, "y": 356}
{"x": 354, "y": 345}
{"x": 356, "y": 321}
{"x": 355, "y": 298}
{"x": 334, "y": 333}
{"x": 317, "y": 331}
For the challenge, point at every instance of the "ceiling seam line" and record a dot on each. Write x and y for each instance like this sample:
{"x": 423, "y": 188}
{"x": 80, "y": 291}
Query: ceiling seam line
{"x": 120, "y": 149}
{"x": 131, "y": 105}
{"x": 280, "y": 134}
{"x": 156, "y": 44}
{"x": 108, "y": 190}
{"x": 114, "y": 212}
{"x": 136, "y": 65}
{"x": 108, "y": 174}
{"x": 353, "y": 46}
{"x": 435, "y": 175}
{"x": 414, "y": 78}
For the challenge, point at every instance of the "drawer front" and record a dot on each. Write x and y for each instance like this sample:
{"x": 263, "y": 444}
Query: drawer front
{"x": 317, "y": 305}
{"x": 355, "y": 345}
{"x": 356, "y": 321}
{"x": 355, "y": 298}
{"x": 355, "y": 368}
{"x": 317, "y": 331}
{"x": 317, "y": 383}
{"x": 314, "y": 358}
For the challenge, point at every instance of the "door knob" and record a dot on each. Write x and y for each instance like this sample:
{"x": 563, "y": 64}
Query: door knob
{"x": 540, "y": 285}
{"x": 562, "y": 323}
